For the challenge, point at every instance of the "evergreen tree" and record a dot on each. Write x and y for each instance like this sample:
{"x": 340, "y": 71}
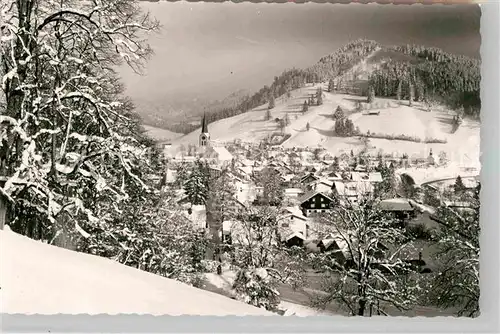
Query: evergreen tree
{"x": 338, "y": 114}
{"x": 331, "y": 84}
{"x": 371, "y": 94}
{"x": 268, "y": 114}
{"x": 305, "y": 107}
{"x": 287, "y": 120}
{"x": 308, "y": 126}
{"x": 196, "y": 187}
{"x": 271, "y": 102}
{"x": 335, "y": 165}
{"x": 459, "y": 186}
{"x": 411, "y": 97}
{"x": 399, "y": 91}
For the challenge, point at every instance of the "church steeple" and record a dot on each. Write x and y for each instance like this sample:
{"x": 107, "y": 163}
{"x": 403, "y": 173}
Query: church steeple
{"x": 204, "y": 135}
{"x": 204, "y": 126}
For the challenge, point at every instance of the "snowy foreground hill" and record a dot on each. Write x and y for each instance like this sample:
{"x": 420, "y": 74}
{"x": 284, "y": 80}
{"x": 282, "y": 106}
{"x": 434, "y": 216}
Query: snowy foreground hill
{"x": 37, "y": 278}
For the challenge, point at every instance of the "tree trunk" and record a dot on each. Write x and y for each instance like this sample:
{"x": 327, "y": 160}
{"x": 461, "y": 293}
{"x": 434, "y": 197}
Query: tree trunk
{"x": 361, "y": 309}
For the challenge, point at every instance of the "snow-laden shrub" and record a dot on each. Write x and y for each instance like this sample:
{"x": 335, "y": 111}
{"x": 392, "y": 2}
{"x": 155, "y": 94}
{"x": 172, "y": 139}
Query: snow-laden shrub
{"x": 256, "y": 287}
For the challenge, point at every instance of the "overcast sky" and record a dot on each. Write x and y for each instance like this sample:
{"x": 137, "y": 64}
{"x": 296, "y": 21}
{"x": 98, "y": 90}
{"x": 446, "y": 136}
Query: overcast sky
{"x": 209, "y": 50}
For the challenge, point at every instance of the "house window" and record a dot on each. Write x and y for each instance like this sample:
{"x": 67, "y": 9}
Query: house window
{"x": 312, "y": 205}
{"x": 321, "y": 199}
{"x": 323, "y": 205}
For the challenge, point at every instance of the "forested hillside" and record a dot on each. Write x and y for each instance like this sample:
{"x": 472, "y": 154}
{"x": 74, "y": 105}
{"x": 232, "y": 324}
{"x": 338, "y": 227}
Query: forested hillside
{"x": 430, "y": 74}
{"x": 425, "y": 73}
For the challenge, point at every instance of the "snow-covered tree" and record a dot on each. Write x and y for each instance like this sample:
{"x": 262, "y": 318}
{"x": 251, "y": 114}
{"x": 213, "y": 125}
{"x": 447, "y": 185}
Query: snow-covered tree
{"x": 152, "y": 235}
{"x": 196, "y": 186}
{"x": 339, "y": 113}
{"x": 73, "y": 147}
{"x": 366, "y": 272}
{"x": 388, "y": 187}
{"x": 262, "y": 260}
{"x": 273, "y": 192}
{"x": 456, "y": 284}
{"x": 319, "y": 96}
{"x": 399, "y": 90}
{"x": 268, "y": 114}
{"x": 371, "y": 94}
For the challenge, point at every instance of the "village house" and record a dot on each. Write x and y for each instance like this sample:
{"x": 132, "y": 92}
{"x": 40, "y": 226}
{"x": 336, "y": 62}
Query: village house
{"x": 293, "y": 227}
{"x": 293, "y": 193}
{"x": 324, "y": 186}
{"x": 308, "y": 179}
{"x": 372, "y": 177}
{"x": 352, "y": 191}
{"x": 401, "y": 208}
{"x": 338, "y": 247}
{"x": 315, "y": 202}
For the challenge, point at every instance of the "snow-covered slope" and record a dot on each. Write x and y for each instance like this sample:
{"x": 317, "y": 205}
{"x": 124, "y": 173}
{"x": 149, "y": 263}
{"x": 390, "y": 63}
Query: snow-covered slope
{"x": 394, "y": 119}
{"x": 161, "y": 134}
{"x": 37, "y": 278}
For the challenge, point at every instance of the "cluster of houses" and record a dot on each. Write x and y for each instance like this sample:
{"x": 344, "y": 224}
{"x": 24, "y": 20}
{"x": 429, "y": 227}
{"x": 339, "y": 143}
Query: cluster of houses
{"x": 312, "y": 183}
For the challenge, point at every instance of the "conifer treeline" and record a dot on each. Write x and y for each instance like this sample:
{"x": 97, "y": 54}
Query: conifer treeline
{"x": 432, "y": 75}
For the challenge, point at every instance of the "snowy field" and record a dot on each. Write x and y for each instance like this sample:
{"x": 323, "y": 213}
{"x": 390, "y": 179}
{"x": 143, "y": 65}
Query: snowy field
{"x": 37, "y": 278}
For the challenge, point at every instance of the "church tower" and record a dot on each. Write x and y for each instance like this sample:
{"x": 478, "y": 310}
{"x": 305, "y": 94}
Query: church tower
{"x": 204, "y": 135}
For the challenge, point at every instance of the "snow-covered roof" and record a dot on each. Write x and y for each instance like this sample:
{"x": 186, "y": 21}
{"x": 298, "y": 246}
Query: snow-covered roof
{"x": 353, "y": 188}
{"x": 337, "y": 239}
{"x": 369, "y": 177}
{"x": 295, "y": 211}
{"x": 396, "y": 204}
{"x": 35, "y": 284}
{"x": 312, "y": 194}
{"x": 222, "y": 153}
{"x": 293, "y": 191}
{"x": 294, "y": 235}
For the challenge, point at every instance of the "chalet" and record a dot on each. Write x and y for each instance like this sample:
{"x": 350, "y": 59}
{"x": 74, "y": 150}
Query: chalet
{"x": 401, "y": 208}
{"x": 315, "y": 202}
{"x": 293, "y": 227}
{"x": 337, "y": 246}
{"x": 324, "y": 186}
{"x": 361, "y": 168}
{"x": 308, "y": 178}
{"x": 352, "y": 191}
{"x": 334, "y": 176}
{"x": 294, "y": 239}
